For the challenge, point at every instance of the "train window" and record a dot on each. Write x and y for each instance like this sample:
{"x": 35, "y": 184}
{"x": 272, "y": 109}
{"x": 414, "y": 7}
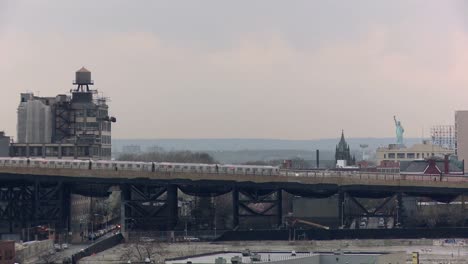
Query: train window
{"x": 176, "y": 166}
{"x": 13, "y": 161}
{"x": 67, "y": 163}
{"x": 239, "y": 169}
{"x": 138, "y": 165}
{"x": 82, "y": 163}
{"x": 248, "y": 169}
{"x": 122, "y": 165}
{"x": 129, "y": 165}
{"x": 192, "y": 168}
{"x": 106, "y": 165}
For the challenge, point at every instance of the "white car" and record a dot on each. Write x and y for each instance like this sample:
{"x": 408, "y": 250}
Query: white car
{"x": 64, "y": 246}
{"x": 191, "y": 239}
{"x": 57, "y": 247}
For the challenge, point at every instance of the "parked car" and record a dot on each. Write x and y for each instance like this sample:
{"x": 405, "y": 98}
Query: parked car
{"x": 57, "y": 247}
{"x": 381, "y": 222}
{"x": 64, "y": 246}
{"x": 147, "y": 239}
{"x": 191, "y": 239}
{"x": 363, "y": 224}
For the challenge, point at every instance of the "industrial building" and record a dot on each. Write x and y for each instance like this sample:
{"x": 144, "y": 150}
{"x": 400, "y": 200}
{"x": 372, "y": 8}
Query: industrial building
{"x": 4, "y": 145}
{"x": 76, "y": 126}
{"x": 461, "y": 134}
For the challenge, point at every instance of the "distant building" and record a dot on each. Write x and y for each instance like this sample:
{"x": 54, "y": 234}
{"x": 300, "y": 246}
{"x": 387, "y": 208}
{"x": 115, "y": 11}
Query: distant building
{"x": 425, "y": 150}
{"x": 388, "y": 166}
{"x": 461, "y": 134}
{"x": 66, "y": 126}
{"x": 4, "y": 145}
{"x": 342, "y": 153}
{"x": 431, "y": 166}
{"x": 443, "y": 136}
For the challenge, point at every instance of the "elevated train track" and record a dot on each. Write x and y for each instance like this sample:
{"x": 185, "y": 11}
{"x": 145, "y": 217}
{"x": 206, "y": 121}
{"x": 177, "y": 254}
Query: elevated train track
{"x": 40, "y": 186}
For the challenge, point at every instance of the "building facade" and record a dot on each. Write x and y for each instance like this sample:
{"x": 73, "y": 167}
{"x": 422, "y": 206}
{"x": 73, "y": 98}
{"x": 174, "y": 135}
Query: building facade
{"x": 461, "y": 134}
{"x": 76, "y": 126}
{"x": 425, "y": 150}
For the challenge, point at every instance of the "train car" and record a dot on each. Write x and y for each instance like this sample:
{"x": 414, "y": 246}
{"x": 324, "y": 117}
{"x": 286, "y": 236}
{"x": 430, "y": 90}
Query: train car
{"x": 139, "y": 166}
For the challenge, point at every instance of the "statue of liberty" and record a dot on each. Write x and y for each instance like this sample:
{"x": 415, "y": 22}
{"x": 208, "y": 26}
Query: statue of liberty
{"x": 399, "y": 131}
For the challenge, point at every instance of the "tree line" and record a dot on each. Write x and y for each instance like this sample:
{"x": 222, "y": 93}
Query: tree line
{"x": 170, "y": 156}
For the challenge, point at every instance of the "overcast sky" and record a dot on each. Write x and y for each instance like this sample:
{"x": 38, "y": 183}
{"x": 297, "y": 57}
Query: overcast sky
{"x": 244, "y": 69}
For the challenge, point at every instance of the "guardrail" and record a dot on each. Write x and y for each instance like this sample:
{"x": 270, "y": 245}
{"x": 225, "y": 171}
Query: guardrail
{"x": 356, "y": 175}
{"x": 374, "y": 176}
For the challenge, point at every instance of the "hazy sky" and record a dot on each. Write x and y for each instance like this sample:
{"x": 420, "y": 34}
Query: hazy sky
{"x": 244, "y": 69}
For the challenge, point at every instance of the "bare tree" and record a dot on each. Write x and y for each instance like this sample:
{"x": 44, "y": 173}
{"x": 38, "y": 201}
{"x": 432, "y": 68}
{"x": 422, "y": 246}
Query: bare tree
{"x": 141, "y": 251}
{"x": 171, "y": 156}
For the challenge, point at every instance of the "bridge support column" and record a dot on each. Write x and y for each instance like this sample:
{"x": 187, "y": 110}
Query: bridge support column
{"x": 125, "y": 210}
{"x": 462, "y": 199}
{"x": 341, "y": 208}
{"x": 172, "y": 204}
{"x": 235, "y": 208}
{"x": 399, "y": 209}
{"x": 65, "y": 197}
{"x": 279, "y": 205}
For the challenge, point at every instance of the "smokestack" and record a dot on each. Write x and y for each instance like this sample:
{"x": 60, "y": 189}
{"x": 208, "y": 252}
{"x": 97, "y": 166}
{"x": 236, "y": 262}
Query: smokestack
{"x": 446, "y": 164}
{"x": 317, "y": 158}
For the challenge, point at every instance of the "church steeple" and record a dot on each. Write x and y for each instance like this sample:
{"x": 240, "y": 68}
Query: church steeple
{"x": 342, "y": 151}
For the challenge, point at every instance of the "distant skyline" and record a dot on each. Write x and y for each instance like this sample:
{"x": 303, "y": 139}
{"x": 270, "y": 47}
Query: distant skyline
{"x": 244, "y": 69}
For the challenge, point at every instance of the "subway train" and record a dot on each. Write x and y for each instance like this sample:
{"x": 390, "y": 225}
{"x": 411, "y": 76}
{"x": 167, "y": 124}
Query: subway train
{"x": 138, "y": 166}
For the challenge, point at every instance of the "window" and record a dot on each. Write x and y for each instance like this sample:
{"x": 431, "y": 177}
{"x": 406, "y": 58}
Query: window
{"x": 400, "y": 155}
{"x": 422, "y": 155}
{"x": 391, "y": 155}
{"x": 410, "y": 155}
{"x": 417, "y": 155}
{"x": 384, "y": 156}
{"x": 91, "y": 113}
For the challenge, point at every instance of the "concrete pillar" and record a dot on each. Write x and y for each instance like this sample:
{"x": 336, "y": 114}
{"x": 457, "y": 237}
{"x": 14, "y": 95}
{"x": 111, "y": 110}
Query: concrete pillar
{"x": 399, "y": 209}
{"x": 341, "y": 208}
{"x": 125, "y": 211}
{"x": 172, "y": 204}
{"x": 43, "y": 151}
{"x": 462, "y": 198}
{"x": 279, "y": 205}
{"x": 235, "y": 208}
{"x": 36, "y": 202}
{"x": 65, "y": 196}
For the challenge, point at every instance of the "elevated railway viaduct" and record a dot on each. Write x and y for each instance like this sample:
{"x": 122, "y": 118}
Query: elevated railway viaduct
{"x": 150, "y": 199}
